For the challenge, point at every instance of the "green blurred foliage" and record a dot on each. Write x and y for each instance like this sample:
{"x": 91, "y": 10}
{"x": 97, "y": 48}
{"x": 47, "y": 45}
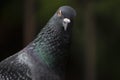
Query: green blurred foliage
{"x": 108, "y": 36}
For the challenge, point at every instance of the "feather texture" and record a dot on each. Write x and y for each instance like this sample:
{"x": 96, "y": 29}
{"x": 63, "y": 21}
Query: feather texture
{"x": 45, "y": 57}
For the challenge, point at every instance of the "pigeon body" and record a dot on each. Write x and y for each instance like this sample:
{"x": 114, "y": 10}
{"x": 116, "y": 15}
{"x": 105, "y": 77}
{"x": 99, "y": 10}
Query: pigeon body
{"x": 45, "y": 57}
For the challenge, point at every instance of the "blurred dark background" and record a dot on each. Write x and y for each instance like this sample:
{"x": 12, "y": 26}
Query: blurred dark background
{"x": 95, "y": 51}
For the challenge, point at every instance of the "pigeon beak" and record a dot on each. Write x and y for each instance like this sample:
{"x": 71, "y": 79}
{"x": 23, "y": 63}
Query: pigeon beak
{"x": 65, "y": 23}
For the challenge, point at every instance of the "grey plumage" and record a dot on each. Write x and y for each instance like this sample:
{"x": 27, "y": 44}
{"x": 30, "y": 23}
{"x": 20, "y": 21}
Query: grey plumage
{"x": 45, "y": 57}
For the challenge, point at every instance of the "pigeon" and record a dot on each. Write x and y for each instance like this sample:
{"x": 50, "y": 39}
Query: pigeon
{"x": 46, "y": 56}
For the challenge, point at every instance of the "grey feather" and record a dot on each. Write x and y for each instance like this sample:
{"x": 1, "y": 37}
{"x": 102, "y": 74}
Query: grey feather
{"x": 45, "y": 57}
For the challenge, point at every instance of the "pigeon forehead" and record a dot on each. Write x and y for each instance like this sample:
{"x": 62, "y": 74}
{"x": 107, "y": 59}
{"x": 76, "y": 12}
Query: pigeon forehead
{"x": 68, "y": 11}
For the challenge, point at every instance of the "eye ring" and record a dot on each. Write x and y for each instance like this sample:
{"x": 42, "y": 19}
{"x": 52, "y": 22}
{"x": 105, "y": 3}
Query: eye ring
{"x": 59, "y": 13}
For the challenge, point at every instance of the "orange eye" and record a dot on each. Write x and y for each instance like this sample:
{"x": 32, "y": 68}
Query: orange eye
{"x": 59, "y": 13}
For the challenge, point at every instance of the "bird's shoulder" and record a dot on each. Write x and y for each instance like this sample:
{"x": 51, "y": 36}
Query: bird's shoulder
{"x": 15, "y": 67}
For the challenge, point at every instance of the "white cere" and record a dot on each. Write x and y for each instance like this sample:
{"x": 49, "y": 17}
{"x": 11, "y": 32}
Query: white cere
{"x": 66, "y": 20}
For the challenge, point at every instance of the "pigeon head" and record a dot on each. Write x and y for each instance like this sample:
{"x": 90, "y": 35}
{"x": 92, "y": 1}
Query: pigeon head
{"x": 65, "y": 15}
{"x": 67, "y": 12}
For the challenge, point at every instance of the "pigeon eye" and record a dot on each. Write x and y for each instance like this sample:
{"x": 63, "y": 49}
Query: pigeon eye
{"x": 59, "y": 13}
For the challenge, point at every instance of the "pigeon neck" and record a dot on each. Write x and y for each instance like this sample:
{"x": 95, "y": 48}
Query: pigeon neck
{"x": 51, "y": 45}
